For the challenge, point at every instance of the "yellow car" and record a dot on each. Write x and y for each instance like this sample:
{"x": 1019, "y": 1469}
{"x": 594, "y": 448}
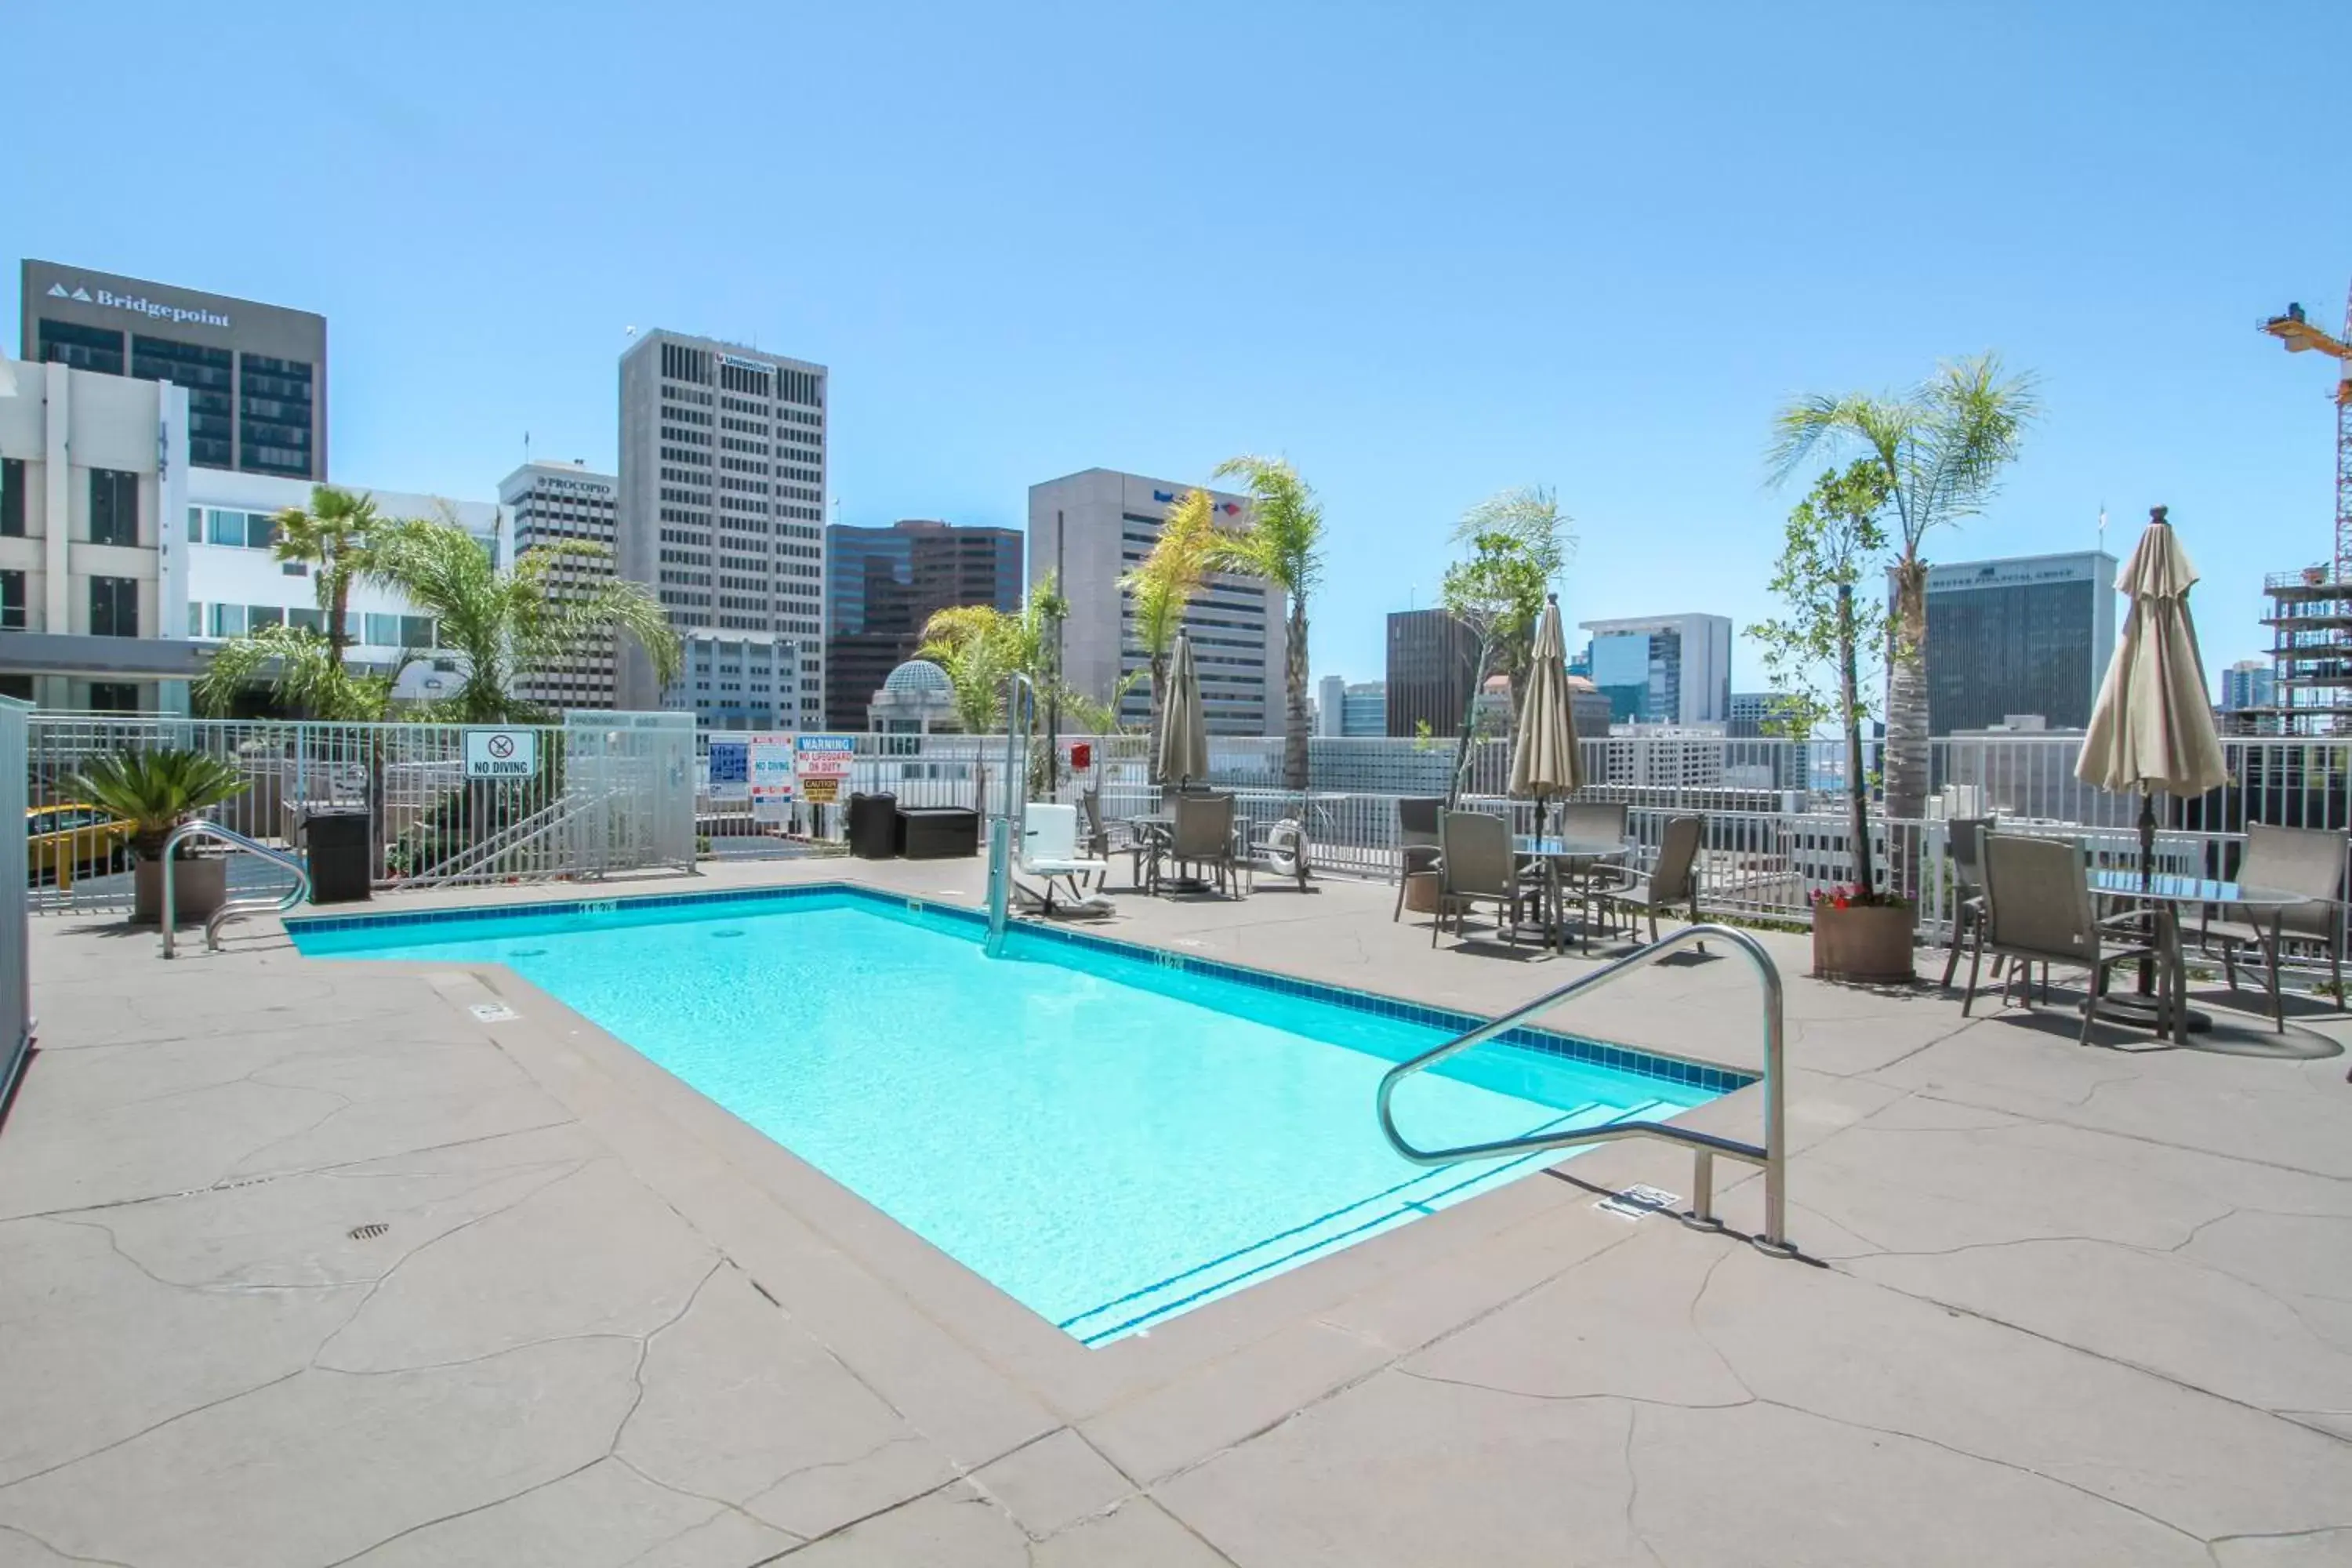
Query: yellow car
{"x": 69, "y": 839}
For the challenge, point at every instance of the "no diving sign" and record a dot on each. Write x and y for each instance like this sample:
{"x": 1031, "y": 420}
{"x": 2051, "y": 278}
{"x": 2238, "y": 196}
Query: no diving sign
{"x": 495, "y": 753}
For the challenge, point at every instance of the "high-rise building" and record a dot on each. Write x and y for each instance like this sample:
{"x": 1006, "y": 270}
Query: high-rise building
{"x": 2026, "y": 635}
{"x": 1664, "y": 670}
{"x": 721, "y": 505}
{"x": 1365, "y": 709}
{"x": 1432, "y": 657}
{"x": 737, "y": 681}
{"x": 1093, "y": 527}
{"x": 1752, "y": 712}
{"x": 93, "y": 558}
{"x": 255, "y": 374}
{"x": 560, "y": 503}
{"x": 2249, "y": 683}
{"x": 883, "y": 584}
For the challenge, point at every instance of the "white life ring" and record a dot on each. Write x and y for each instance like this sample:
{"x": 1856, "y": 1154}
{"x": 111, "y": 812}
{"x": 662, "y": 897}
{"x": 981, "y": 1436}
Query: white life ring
{"x": 1286, "y": 847}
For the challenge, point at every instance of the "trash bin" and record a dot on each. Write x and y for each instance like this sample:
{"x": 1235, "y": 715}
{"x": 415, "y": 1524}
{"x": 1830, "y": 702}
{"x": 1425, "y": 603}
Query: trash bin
{"x": 337, "y": 840}
{"x": 873, "y": 825}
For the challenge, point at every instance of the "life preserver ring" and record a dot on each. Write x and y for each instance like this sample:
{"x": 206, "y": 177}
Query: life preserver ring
{"x": 1286, "y": 847}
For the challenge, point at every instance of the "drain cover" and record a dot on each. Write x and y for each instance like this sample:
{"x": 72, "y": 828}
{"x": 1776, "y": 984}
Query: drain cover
{"x": 369, "y": 1231}
{"x": 1635, "y": 1202}
{"x": 492, "y": 1012}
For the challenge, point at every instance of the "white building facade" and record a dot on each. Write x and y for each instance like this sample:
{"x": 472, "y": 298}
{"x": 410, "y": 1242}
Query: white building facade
{"x": 1097, "y": 525}
{"x": 1665, "y": 669}
{"x": 739, "y": 680}
{"x": 560, "y": 503}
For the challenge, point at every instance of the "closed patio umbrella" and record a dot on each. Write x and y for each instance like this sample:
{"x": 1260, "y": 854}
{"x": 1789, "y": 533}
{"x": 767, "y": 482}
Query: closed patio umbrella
{"x": 1183, "y": 729}
{"x": 2153, "y": 726}
{"x": 1545, "y": 762}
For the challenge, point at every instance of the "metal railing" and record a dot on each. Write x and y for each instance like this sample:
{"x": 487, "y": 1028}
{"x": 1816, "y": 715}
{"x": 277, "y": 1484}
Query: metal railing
{"x": 1005, "y": 830}
{"x": 234, "y": 909}
{"x": 15, "y": 965}
{"x": 1772, "y": 1155}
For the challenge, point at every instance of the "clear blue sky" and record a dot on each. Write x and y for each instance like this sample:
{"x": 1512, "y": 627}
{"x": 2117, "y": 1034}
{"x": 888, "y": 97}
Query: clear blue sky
{"x": 1425, "y": 252}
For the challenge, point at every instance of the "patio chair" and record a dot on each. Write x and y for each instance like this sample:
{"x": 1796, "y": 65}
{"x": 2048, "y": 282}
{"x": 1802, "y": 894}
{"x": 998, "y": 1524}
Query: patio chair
{"x": 2037, "y": 909}
{"x": 1966, "y": 836}
{"x": 1475, "y": 864}
{"x": 2303, "y": 860}
{"x": 1674, "y": 878}
{"x": 1049, "y": 852}
{"x": 1203, "y": 835}
{"x": 1417, "y": 841}
{"x": 1103, "y": 839}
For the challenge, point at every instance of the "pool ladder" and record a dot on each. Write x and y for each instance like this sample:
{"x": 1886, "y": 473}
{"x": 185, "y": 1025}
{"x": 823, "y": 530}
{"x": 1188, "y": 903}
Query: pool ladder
{"x": 235, "y": 909}
{"x": 1772, "y": 1155}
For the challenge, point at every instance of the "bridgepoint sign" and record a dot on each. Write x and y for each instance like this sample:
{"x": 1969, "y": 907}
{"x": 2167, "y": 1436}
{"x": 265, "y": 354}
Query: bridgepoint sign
{"x": 138, "y": 304}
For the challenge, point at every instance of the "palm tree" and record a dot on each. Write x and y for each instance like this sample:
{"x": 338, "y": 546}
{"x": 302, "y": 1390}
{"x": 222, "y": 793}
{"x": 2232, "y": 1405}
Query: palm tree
{"x": 1163, "y": 585}
{"x": 1941, "y": 449}
{"x": 335, "y": 537}
{"x": 303, "y": 670}
{"x": 506, "y": 625}
{"x": 1283, "y": 548}
{"x": 1519, "y": 543}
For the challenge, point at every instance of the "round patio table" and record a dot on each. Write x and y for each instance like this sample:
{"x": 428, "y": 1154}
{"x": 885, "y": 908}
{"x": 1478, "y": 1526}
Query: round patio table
{"x": 1572, "y": 854}
{"x": 2166, "y": 896}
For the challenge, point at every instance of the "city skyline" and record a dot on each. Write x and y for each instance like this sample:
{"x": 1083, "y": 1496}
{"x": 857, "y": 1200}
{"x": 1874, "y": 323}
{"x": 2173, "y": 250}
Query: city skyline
{"x": 1596, "y": 368}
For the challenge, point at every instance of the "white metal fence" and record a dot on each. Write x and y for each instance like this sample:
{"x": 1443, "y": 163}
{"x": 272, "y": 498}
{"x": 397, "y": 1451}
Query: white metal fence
{"x": 16, "y": 972}
{"x": 604, "y": 793}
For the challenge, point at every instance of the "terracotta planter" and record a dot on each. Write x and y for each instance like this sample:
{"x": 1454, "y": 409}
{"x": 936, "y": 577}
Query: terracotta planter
{"x": 198, "y": 888}
{"x": 1866, "y": 942}
{"x": 1421, "y": 892}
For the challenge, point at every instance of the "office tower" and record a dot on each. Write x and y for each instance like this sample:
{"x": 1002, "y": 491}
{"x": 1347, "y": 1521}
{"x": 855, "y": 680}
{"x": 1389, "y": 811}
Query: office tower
{"x": 2248, "y": 684}
{"x": 883, "y": 584}
{"x": 1330, "y": 708}
{"x": 558, "y": 503}
{"x": 2027, "y": 634}
{"x": 721, "y": 501}
{"x": 93, "y": 559}
{"x": 1365, "y": 709}
{"x": 255, "y": 374}
{"x": 1431, "y": 657}
{"x": 1752, "y": 712}
{"x": 739, "y": 680}
{"x": 1097, "y": 525}
{"x": 1664, "y": 670}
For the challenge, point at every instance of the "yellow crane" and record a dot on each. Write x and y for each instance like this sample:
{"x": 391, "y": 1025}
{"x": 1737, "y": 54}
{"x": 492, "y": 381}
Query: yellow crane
{"x": 2295, "y": 330}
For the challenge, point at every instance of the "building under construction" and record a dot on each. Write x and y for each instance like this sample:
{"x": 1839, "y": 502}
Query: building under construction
{"x": 2310, "y": 614}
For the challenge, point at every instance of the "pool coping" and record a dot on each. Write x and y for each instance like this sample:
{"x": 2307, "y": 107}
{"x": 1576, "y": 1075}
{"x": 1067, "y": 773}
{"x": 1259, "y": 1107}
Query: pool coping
{"x": 1712, "y": 1077}
{"x": 1205, "y": 1370}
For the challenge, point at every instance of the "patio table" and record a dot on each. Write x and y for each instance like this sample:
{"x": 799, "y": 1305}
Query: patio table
{"x": 1572, "y": 854}
{"x": 2166, "y": 896}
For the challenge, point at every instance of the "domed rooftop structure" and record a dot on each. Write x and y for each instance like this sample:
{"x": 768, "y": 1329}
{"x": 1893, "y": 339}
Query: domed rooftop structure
{"x": 918, "y": 678}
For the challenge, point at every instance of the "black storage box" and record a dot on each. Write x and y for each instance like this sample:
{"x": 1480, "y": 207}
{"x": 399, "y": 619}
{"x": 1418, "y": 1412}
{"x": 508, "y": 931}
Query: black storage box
{"x": 336, "y": 838}
{"x": 873, "y": 827}
{"x": 938, "y": 832}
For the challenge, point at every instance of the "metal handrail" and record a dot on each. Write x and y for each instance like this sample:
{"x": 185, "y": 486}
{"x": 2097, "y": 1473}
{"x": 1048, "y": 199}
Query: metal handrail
{"x": 235, "y": 909}
{"x": 1772, "y": 1155}
{"x": 1000, "y": 831}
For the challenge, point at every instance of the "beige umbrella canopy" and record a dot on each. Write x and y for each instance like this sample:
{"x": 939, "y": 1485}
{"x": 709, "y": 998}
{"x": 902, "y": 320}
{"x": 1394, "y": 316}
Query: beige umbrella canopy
{"x": 2152, "y": 729}
{"x": 1546, "y": 762}
{"x": 1183, "y": 727}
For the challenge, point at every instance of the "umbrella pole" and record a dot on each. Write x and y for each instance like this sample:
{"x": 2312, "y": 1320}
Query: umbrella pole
{"x": 2147, "y": 875}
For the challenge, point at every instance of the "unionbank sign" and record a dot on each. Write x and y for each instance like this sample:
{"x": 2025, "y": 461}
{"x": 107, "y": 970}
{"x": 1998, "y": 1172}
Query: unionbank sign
{"x": 138, "y": 305}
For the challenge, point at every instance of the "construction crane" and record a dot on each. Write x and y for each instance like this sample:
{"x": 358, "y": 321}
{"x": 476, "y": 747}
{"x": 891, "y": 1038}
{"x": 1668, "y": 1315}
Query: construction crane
{"x": 2299, "y": 335}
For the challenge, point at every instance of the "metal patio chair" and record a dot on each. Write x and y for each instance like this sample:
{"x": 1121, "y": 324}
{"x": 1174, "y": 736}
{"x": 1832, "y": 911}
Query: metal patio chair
{"x": 1674, "y": 878}
{"x": 2303, "y": 860}
{"x": 1475, "y": 865}
{"x": 1417, "y": 841}
{"x": 2037, "y": 909}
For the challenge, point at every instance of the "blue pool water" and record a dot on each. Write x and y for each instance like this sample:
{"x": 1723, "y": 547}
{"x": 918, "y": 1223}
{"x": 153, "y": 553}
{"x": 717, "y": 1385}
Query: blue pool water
{"x": 1108, "y": 1136}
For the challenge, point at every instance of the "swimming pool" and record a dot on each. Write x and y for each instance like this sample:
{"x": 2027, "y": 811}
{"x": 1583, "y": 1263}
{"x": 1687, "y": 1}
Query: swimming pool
{"x": 1110, "y": 1134}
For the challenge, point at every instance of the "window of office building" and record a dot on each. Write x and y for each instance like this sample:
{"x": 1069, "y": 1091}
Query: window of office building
{"x": 12, "y": 497}
{"x": 205, "y": 371}
{"x": 274, "y": 405}
{"x": 398, "y": 631}
{"x": 113, "y": 608}
{"x": 84, "y": 348}
{"x": 12, "y": 601}
{"x": 113, "y": 507}
{"x": 240, "y": 530}
{"x": 113, "y": 697}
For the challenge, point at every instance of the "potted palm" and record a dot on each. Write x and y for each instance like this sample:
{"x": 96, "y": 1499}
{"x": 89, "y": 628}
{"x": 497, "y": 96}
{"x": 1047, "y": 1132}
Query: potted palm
{"x": 155, "y": 791}
{"x": 1862, "y": 931}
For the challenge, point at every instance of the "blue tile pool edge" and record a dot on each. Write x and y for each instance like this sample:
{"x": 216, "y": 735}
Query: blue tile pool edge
{"x": 1705, "y": 1075}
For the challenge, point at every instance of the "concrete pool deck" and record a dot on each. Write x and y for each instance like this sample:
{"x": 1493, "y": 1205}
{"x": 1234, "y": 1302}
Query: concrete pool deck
{"x": 2059, "y": 1306}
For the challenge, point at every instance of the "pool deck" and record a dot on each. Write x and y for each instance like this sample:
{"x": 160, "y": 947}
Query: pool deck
{"x": 2057, "y": 1306}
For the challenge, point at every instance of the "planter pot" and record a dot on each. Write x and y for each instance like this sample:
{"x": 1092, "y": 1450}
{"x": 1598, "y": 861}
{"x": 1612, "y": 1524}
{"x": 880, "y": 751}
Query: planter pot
{"x": 1421, "y": 892}
{"x": 198, "y": 888}
{"x": 1865, "y": 943}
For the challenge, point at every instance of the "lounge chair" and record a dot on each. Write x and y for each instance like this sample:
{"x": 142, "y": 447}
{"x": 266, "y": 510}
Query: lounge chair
{"x": 1417, "y": 841}
{"x": 1673, "y": 879}
{"x": 1966, "y": 838}
{"x": 1050, "y": 852}
{"x": 2037, "y": 909}
{"x": 1203, "y": 836}
{"x": 1475, "y": 865}
{"x": 2303, "y": 860}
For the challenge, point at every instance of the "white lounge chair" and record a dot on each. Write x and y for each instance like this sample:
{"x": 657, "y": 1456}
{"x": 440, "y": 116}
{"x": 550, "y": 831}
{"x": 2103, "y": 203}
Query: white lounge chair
{"x": 1049, "y": 852}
